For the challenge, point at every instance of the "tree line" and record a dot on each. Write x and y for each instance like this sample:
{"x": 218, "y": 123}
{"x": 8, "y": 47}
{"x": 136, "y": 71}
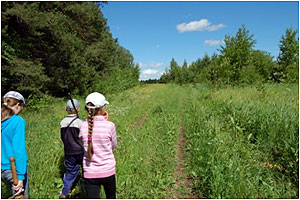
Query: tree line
{"x": 239, "y": 64}
{"x": 61, "y": 47}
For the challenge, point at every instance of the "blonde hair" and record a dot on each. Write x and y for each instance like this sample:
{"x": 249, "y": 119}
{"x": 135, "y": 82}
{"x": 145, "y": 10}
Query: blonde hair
{"x": 6, "y": 104}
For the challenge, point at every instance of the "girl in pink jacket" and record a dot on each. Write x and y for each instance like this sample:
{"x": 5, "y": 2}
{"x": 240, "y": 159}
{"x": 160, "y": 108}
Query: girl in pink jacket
{"x": 98, "y": 136}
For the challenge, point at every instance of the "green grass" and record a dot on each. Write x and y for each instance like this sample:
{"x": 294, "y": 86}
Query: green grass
{"x": 234, "y": 135}
{"x": 244, "y": 142}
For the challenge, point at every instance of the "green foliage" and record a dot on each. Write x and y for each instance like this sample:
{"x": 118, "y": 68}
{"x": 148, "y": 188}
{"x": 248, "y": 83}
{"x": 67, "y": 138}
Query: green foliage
{"x": 240, "y": 143}
{"x": 222, "y": 73}
{"x": 277, "y": 74}
{"x": 57, "y": 47}
{"x": 38, "y": 103}
{"x": 292, "y": 73}
{"x": 116, "y": 81}
{"x": 240, "y": 64}
{"x": 24, "y": 75}
{"x": 264, "y": 63}
{"x": 146, "y": 155}
{"x": 250, "y": 75}
{"x": 288, "y": 58}
{"x": 238, "y": 52}
{"x": 289, "y": 48}
{"x": 244, "y": 144}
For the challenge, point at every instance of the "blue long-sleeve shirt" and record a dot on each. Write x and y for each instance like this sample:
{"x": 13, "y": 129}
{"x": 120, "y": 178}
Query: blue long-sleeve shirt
{"x": 13, "y": 144}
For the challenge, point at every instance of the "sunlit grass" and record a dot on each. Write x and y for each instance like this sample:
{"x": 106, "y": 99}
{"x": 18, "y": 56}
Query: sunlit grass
{"x": 242, "y": 142}
{"x": 236, "y": 134}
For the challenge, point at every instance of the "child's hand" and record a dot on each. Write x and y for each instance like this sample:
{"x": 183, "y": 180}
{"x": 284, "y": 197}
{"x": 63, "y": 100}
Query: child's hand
{"x": 18, "y": 188}
{"x": 105, "y": 115}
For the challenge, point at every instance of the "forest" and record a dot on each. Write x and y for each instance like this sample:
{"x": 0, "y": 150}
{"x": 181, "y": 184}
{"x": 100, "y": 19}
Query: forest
{"x": 59, "y": 47}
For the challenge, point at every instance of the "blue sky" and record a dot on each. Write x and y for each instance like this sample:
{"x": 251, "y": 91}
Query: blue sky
{"x": 157, "y": 31}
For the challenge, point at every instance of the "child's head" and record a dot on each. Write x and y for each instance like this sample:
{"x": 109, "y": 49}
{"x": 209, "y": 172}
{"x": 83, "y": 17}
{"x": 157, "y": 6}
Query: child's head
{"x": 95, "y": 102}
{"x": 70, "y": 108}
{"x": 95, "y": 105}
{"x": 12, "y": 103}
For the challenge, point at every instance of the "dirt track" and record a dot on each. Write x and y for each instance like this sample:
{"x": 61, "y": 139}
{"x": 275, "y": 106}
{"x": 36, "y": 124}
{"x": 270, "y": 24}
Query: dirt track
{"x": 183, "y": 182}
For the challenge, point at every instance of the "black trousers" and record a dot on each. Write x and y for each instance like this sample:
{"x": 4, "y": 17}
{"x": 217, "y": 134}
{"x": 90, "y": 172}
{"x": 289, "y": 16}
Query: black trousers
{"x": 92, "y": 187}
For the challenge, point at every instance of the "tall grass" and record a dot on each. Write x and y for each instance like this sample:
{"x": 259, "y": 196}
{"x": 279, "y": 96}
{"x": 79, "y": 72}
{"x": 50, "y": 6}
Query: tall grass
{"x": 145, "y": 154}
{"x": 244, "y": 142}
{"x": 241, "y": 142}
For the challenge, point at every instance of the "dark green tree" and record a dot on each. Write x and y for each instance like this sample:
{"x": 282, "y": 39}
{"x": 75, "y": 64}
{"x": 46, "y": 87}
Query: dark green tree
{"x": 185, "y": 75}
{"x": 237, "y": 51}
{"x": 174, "y": 71}
{"x": 199, "y": 69}
{"x": 289, "y": 48}
{"x": 288, "y": 58}
{"x": 61, "y": 46}
{"x": 264, "y": 64}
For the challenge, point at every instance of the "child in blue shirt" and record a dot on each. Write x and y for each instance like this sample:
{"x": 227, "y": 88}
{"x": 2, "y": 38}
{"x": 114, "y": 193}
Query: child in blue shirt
{"x": 13, "y": 142}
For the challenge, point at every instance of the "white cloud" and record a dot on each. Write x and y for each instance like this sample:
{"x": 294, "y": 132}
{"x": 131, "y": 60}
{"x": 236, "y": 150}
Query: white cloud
{"x": 151, "y": 65}
{"x": 156, "y": 46}
{"x": 150, "y": 74}
{"x": 152, "y": 70}
{"x": 201, "y": 25}
{"x": 214, "y": 42}
{"x": 215, "y": 27}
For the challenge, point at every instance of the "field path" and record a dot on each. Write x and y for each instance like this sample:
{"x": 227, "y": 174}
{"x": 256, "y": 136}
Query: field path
{"x": 183, "y": 185}
{"x": 135, "y": 125}
{"x": 142, "y": 121}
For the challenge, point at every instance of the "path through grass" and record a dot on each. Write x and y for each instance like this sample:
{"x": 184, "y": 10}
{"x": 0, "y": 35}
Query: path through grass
{"x": 183, "y": 142}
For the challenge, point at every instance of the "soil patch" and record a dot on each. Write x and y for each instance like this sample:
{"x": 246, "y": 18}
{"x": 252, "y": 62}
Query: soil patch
{"x": 141, "y": 121}
{"x": 184, "y": 184}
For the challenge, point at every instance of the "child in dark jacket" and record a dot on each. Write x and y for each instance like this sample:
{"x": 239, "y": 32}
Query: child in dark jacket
{"x": 70, "y": 129}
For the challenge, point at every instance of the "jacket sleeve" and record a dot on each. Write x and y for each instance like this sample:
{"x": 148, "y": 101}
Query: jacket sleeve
{"x": 113, "y": 136}
{"x": 19, "y": 148}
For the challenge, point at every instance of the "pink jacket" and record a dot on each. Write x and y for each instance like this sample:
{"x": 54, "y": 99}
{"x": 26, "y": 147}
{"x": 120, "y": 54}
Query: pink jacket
{"x": 104, "y": 140}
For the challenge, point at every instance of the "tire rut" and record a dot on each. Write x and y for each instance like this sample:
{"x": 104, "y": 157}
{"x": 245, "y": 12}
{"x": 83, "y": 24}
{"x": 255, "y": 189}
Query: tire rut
{"x": 183, "y": 185}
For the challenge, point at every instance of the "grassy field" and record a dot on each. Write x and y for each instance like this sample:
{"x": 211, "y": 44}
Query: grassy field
{"x": 243, "y": 142}
{"x": 239, "y": 142}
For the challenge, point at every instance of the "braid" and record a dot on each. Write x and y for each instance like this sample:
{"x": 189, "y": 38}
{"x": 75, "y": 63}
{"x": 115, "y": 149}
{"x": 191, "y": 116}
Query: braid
{"x": 90, "y": 131}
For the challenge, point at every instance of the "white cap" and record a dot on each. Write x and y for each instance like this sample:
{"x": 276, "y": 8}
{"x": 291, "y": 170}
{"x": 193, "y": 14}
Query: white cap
{"x": 97, "y": 99}
{"x": 15, "y": 95}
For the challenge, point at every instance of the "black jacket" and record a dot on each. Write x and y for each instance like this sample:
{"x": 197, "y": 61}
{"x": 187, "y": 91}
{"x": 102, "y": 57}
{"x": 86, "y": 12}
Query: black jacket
{"x": 69, "y": 132}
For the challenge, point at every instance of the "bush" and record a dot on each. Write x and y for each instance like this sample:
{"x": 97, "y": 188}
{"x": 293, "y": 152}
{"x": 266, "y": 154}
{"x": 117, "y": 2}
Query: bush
{"x": 293, "y": 73}
{"x": 116, "y": 81}
{"x": 250, "y": 75}
{"x": 39, "y": 102}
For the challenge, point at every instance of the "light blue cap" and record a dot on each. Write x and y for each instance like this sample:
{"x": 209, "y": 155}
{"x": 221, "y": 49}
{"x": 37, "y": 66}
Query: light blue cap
{"x": 15, "y": 95}
{"x": 70, "y": 106}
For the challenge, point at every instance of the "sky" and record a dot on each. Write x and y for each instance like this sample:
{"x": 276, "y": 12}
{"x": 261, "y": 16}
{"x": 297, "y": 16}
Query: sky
{"x": 155, "y": 32}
